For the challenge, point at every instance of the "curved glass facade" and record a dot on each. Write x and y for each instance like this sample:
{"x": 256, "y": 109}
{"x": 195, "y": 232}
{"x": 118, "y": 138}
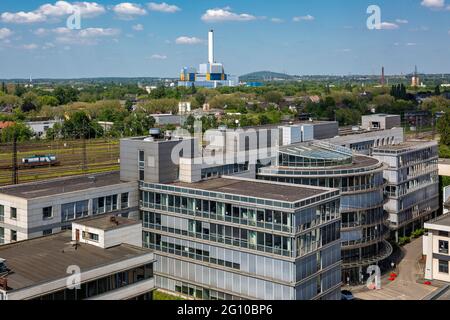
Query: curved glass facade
{"x": 360, "y": 179}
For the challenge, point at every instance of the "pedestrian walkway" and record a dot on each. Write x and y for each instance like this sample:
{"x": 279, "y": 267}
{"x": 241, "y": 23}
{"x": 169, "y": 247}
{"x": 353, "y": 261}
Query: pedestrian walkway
{"x": 406, "y": 286}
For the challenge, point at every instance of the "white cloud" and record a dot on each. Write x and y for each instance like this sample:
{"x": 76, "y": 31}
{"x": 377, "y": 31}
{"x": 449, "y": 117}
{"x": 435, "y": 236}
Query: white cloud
{"x": 128, "y": 10}
{"x": 22, "y": 17}
{"x": 222, "y": 15}
{"x": 411, "y": 44}
{"x": 88, "y": 36}
{"x": 31, "y": 46}
{"x": 277, "y": 20}
{"x": 64, "y": 8}
{"x": 388, "y": 26}
{"x": 303, "y": 18}
{"x": 434, "y": 4}
{"x": 188, "y": 40}
{"x": 163, "y": 7}
{"x": 402, "y": 21}
{"x": 158, "y": 57}
{"x": 56, "y": 10}
{"x": 40, "y": 32}
{"x": 138, "y": 27}
{"x": 5, "y": 33}
{"x": 48, "y": 45}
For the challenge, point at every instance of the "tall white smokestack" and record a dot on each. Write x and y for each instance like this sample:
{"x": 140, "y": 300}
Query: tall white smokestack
{"x": 211, "y": 47}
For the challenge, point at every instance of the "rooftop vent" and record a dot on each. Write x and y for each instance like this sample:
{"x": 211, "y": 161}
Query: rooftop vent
{"x": 114, "y": 220}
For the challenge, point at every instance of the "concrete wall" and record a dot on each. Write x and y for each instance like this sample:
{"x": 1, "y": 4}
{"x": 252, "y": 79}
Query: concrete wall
{"x": 159, "y": 166}
{"x": 326, "y": 130}
{"x": 131, "y": 235}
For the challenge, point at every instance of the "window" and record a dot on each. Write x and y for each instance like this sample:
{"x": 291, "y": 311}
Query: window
{"x": 2, "y": 235}
{"x": 14, "y": 236}
{"x": 47, "y": 232}
{"x": 90, "y": 236}
{"x": 47, "y": 213}
{"x": 141, "y": 175}
{"x": 443, "y": 247}
{"x": 74, "y": 210}
{"x": 124, "y": 201}
{"x": 443, "y": 266}
{"x": 441, "y": 233}
{"x": 13, "y": 213}
{"x": 104, "y": 204}
{"x": 2, "y": 213}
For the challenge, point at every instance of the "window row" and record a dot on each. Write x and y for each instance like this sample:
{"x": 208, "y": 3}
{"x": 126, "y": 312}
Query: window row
{"x": 268, "y": 219}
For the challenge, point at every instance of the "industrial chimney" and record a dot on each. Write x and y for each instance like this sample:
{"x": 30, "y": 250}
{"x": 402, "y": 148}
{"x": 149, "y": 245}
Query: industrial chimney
{"x": 211, "y": 47}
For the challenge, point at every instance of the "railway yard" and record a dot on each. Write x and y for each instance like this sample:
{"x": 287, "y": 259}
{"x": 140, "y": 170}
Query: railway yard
{"x": 101, "y": 155}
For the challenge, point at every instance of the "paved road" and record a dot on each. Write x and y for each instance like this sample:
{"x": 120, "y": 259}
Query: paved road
{"x": 405, "y": 287}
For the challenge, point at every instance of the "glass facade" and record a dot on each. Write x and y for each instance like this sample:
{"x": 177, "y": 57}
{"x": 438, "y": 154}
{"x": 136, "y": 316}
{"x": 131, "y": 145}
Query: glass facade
{"x": 412, "y": 188}
{"x": 103, "y": 285}
{"x": 237, "y": 248}
{"x": 363, "y": 228}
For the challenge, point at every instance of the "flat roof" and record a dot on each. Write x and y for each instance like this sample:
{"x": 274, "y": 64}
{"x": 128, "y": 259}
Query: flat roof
{"x": 256, "y": 189}
{"x": 405, "y": 146}
{"x": 46, "y": 259}
{"x": 442, "y": 221}
{"x": 63, "y": 185}
{"x": 107, "y": 222}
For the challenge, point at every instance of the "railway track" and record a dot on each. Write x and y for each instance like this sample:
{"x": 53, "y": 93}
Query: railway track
{"x": 101, "y": 155}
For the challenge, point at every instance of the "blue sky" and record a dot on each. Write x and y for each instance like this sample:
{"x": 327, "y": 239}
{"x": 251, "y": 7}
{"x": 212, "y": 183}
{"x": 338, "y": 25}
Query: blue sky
{"x": 157, "y": 38}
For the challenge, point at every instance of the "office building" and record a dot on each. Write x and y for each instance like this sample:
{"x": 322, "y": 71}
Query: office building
{"x": 219, "y": 237}
{"x": 435, "y": 248}
{"x": 360, "y": 180}
{"x": 101, "y": 259}
{"x": 412, "y": 188}
{"x": 41, "y": 208}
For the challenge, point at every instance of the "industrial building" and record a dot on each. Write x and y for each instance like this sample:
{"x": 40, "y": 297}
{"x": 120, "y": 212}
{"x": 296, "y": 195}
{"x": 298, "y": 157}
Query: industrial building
{"x": 412, "y": 188}
{"x": 208, "y": 75}
{"x": 101, "y": 259}
{"x": 381, "y": 122}
{"x": 37, "y": 209}
{"x": 360, "y": 180}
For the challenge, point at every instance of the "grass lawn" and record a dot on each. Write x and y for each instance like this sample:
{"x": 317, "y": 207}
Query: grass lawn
{"x": 158, "y": 295}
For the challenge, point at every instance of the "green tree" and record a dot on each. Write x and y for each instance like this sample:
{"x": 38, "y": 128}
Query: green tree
{"x": 22, "y": 132}
{"x": 437, "y": 90}
{"x": 79, "y": 125}
{"x": 273, "y": 97}
{"x": 29, "y": 102}
{"x": 66, "y": 95}
{"x": 138, "y": 124}
{"x": 443, "y": 127}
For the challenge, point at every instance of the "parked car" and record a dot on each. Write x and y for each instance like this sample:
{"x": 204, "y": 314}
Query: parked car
{"x": 347, "y": 295}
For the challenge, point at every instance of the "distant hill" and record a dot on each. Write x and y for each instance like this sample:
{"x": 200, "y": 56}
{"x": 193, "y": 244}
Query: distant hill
{"x": 265, "y": 76}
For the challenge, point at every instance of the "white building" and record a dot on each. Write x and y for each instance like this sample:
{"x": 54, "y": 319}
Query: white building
{"x": 97, "y": 256}
{"x": 40, "y": 128}
{"x": 435, "y": 248}
{"x": 41, "y": 208}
